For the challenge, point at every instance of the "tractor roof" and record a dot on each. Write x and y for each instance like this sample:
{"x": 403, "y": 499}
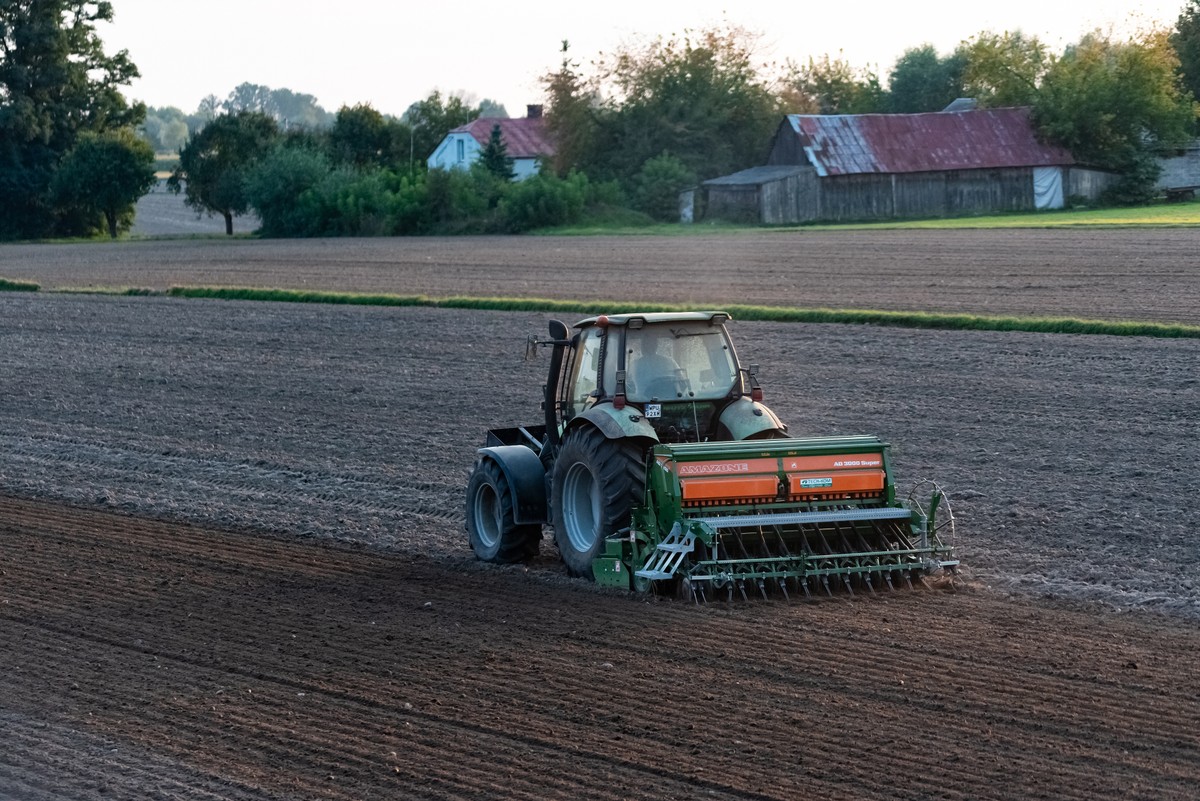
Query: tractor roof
{"x": 656, "y": 318}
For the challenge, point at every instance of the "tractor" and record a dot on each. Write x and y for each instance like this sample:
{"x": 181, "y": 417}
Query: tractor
{"x": 659, "y": 468}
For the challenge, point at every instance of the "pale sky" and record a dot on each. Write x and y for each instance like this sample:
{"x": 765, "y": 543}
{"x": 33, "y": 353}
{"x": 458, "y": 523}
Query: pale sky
{"x": 391, "y": 54}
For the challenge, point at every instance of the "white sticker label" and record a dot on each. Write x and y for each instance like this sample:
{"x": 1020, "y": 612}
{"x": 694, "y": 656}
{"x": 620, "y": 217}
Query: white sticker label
{"x": 654, "y": 410}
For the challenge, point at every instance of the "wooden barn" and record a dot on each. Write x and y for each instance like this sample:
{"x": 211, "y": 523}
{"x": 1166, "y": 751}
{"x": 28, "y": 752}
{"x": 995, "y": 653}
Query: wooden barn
{"x": 838, "y": 168}
{"x": 1180, "y": 177}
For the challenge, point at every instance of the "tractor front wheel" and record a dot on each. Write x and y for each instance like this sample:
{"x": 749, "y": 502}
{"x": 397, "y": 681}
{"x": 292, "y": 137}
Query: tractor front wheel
{"x": 493, "y": 535}
{"x": 595, "y": 484}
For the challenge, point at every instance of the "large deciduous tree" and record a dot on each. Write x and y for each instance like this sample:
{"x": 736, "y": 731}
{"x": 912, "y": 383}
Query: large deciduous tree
{"x": 700, "y": 97}
{"x": 365, "y": 138}
{"x": 922, "y": 81}
{"x": 214, "y": 163}
{"x": 431, "y": 119}
{"x": 289, "y": 109}
{"x": 831, "y": 86}
{"x": 1186, "y": 41}
{"x": 571, "y": 113}
{"x": 1115, "y": 105}
{"x": 1004, "y": 69}
{"x": 56, "y": 82}
{"x": 102, "y": 177}
{"x": 165, "y": 128}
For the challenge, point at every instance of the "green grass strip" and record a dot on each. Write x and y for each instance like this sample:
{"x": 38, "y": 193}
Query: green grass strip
{"x": 1160, "y": 215}
{"x": 953, "y": 322}
{"x": 11, "y": 285}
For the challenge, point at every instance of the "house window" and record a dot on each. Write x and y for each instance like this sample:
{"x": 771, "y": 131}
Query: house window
{"x": 462, "y": 150}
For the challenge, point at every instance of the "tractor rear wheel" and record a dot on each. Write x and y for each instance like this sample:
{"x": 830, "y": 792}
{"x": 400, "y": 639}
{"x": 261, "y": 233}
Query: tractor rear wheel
{"x": 595, "y": 484}
{"x": 493, "y": 535}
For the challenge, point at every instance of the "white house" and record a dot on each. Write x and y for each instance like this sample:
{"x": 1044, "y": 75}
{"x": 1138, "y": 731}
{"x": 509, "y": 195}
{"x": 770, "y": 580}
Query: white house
{"x": 525, "y": 139}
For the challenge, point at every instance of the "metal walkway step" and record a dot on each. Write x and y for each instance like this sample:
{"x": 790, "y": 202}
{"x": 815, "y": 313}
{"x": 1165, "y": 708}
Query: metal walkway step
{"x": 666, "y": 557}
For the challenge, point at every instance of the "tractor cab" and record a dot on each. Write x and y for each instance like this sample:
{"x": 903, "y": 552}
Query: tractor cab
{"x": 679, "y": 371}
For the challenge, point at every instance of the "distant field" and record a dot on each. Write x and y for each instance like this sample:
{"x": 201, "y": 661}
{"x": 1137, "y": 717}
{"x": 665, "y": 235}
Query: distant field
{"x": 165, "y": 163}
{"x": 1147, "y": 273}
{"x": 162, "y": 213}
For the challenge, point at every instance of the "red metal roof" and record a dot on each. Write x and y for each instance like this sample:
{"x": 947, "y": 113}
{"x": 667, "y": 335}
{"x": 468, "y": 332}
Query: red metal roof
{"x": 853, "y": 144}
{"x": 524, "y": 137}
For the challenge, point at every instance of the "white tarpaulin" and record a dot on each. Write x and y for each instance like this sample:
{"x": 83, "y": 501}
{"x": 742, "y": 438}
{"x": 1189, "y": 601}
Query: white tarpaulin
{"x": 1047, "y": 188}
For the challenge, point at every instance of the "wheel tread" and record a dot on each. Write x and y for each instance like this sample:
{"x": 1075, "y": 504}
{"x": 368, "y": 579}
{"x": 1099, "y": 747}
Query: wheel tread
{"x": 618, "y": 466}
{"x": 518, "y": 543}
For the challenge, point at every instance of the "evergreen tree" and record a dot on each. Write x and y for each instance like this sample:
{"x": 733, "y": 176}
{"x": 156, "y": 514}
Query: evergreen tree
{"x": 494, "y": 157}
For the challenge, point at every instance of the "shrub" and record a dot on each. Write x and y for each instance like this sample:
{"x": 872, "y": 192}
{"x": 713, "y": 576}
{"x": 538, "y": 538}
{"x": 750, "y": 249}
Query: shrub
{"x": 545, "y": 200}
{"x": 657, "y": 185}
{"x": 1136, "y": 184}
{"x": 456, "y": 204}
{"x": 275, "y": 187}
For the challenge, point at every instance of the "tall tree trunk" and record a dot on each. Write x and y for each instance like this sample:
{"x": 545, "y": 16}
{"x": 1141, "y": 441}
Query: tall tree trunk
{"x": 228, "y": 223}
{"x": 111, "y": 217}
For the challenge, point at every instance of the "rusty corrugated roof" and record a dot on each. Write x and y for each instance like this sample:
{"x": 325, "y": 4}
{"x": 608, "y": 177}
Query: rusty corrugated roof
{"x": 524, "y": 137}
{"x": 853, "y": 144}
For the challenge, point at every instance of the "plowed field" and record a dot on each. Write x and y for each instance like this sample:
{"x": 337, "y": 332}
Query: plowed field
{"x": 232, "y": 563}
{"x": 151, "y": 660}
{"x": 1151, "y": 274}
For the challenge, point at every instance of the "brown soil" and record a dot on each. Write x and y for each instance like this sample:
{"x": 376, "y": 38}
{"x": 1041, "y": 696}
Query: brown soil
{"x": 1145, "y": 274}
{"x": 222, "y": 523}
{"x": 1067, "y": 458}
{"x": 142, "y": 659}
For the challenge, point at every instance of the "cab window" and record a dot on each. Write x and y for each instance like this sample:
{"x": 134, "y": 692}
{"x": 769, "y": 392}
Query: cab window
{"x": 587, "y": 366}
{"x": 687, "y": 360}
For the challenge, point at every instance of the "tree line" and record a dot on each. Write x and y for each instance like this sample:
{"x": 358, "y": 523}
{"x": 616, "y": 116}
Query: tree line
{"x": 168, "y": 128}
{"x": 632, "y": 129}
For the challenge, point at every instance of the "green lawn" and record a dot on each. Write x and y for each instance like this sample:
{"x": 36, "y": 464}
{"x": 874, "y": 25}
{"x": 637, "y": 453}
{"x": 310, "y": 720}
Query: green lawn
{"x": 1159, "y": 214}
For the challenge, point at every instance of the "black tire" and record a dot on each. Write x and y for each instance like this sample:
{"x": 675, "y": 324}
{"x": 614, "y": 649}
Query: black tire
{"x": 493, "y": 535}
{"x": 595, "y": 484}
